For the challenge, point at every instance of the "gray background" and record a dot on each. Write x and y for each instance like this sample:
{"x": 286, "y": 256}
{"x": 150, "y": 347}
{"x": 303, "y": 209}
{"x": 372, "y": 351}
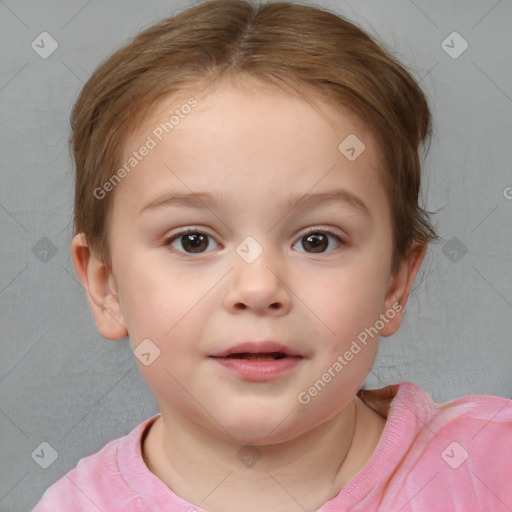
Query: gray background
{"x": 62, "y": 383}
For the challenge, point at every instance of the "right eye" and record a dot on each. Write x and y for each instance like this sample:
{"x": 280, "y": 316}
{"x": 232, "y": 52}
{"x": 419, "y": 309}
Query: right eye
{"x": 191, "y": 242}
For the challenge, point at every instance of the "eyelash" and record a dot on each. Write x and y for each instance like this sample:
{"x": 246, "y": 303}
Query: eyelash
{"x": 169, "y": 240}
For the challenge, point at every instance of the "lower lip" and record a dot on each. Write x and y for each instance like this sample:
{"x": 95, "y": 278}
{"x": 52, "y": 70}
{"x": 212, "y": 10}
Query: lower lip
{"x": 259, "y": 371}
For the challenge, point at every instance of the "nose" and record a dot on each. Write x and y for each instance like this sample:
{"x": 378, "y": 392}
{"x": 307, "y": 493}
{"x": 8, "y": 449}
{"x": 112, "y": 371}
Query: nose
{"x": 258, "y": 286}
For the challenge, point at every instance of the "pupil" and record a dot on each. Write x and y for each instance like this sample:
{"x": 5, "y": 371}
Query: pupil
{"x": 195, "y": 242}
{"x": 316, "y": 241}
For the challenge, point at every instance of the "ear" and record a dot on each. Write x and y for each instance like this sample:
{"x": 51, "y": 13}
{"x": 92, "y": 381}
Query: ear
{"x": 99, "y": 285}
{"x": 400, "y": 285}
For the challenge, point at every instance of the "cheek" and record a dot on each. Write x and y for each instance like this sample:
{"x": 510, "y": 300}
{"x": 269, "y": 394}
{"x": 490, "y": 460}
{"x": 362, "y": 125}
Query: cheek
{"x": 170, "y": 309}
{"x": 346, "y": 298}
{"x": 143, "y": 302}
{"x": 343, "y": 308}
{"x": 174, "y": 327}
{"x": 152, "y": 298}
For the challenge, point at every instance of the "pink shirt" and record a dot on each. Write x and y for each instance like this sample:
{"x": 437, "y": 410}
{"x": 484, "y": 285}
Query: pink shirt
{"x": 455, "y": 456}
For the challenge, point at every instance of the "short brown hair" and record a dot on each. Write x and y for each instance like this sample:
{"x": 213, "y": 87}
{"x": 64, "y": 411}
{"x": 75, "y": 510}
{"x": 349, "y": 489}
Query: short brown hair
{"x": 283, "y": 44}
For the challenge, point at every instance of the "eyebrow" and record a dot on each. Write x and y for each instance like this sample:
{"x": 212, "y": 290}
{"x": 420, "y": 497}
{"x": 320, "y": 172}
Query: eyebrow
{"x": 206, "y": 200}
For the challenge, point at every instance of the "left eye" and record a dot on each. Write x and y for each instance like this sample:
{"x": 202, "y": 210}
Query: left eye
{"x": 192, "y": 242}
{"x": 318, "y": 242}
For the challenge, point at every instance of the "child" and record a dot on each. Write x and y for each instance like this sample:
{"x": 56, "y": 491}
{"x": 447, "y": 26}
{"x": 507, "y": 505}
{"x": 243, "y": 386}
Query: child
{"x": 246, "y": 211}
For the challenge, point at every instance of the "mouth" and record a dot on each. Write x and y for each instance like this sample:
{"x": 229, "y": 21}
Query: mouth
{"x": 257, "y": 350}
{"x": 251, "y": 356}
{"x": 258, "y": 361}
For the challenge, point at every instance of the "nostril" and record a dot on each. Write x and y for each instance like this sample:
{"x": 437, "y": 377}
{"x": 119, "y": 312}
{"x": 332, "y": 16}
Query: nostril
{"x": 274, "y": 305}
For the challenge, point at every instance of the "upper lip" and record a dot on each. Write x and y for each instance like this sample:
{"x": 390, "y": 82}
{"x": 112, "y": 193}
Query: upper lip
{"x": 256, "y": 347}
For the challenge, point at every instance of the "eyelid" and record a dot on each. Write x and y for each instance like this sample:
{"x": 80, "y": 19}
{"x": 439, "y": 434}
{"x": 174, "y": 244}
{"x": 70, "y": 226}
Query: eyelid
{"x": 189, "y": 229}
{"x": 322, "y": 229}
{"x": 325, "y": 230}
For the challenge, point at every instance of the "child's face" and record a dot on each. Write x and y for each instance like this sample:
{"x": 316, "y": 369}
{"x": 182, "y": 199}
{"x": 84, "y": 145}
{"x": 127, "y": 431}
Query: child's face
{"x": 252, "y": 152}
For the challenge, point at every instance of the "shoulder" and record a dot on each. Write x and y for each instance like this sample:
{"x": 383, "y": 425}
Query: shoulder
{"x": 436, "y": 456}
{"x": 475, "y": 422}
{"x": 407, "y": 400}
{"x": 478, "y": 420}
{"x": 460, "y": 449}
{"x": 97, "y": 482}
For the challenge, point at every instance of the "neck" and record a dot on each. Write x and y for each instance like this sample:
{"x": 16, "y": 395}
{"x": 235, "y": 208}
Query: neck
{"x": 302, "y": 473}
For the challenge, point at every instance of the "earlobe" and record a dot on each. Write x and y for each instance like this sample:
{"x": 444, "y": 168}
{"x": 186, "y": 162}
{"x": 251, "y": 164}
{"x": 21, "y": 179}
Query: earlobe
{"x": 400, "y": 287}
{"x": 99, "y": 285}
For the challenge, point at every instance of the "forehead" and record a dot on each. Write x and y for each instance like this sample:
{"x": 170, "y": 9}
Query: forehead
{"x": 240, "y": 136}
{"x": 262, "y": 109}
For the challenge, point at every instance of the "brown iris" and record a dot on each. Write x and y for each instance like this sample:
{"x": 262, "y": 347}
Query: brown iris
{"x": 318, "y": 242}
{"x": 195, "y": 242}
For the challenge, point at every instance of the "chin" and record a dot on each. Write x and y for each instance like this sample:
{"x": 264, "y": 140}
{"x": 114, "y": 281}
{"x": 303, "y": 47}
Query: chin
{"x": 262, "y": 429}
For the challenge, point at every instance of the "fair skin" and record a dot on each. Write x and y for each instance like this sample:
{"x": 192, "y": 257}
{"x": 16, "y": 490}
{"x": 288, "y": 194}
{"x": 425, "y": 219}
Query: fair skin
{"x": 256, "y": 147}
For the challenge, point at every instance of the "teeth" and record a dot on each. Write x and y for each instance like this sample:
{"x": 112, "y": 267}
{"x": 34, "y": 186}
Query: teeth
{"x": 258, "y": 357}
